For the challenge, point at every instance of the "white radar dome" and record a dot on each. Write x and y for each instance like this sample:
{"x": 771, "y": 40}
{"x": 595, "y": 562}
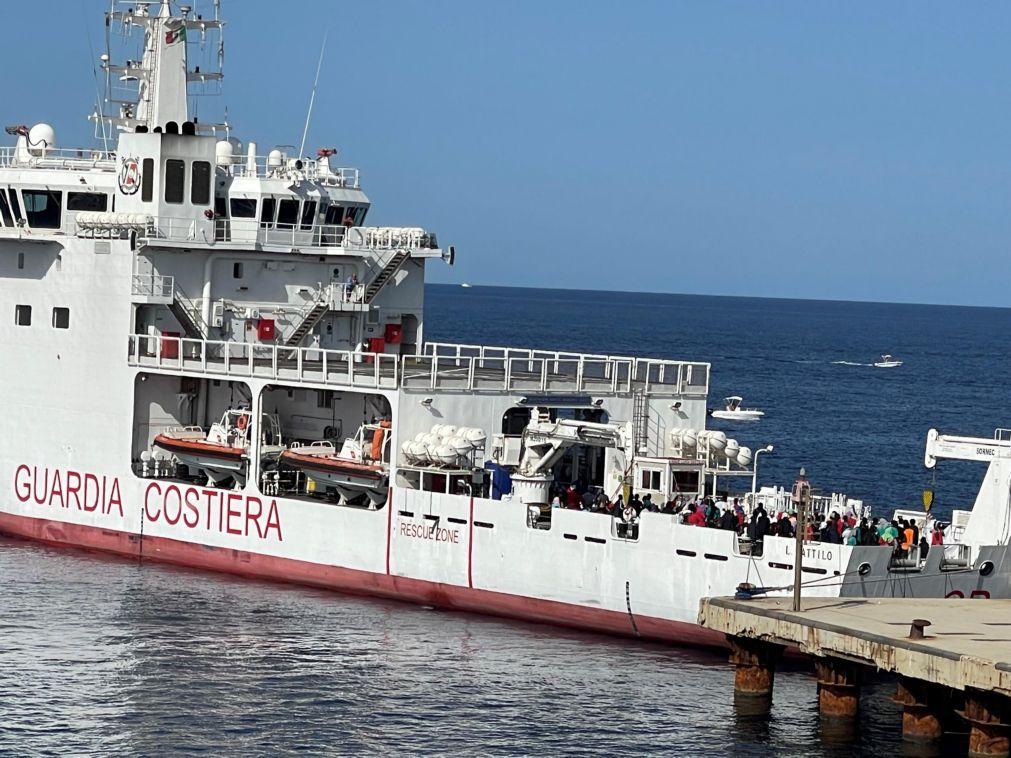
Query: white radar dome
{"x": 223, "y": 153}
{"x": 275, "y": 159}
{"x": 41, "y": 137}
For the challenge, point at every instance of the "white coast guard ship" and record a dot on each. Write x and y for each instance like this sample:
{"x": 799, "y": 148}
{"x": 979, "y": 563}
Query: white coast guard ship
{"x": 211, "y": 359}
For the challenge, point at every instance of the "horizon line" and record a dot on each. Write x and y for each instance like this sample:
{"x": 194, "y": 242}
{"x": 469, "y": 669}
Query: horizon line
{"x": 471, "y": 285}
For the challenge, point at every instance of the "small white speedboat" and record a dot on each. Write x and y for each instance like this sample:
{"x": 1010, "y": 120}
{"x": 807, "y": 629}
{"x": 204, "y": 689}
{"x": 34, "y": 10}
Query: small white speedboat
{"x": 733, "y": 411}
{"x": 887, "y": 361}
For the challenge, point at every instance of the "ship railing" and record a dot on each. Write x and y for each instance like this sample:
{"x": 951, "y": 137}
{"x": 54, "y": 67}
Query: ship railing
{"x": 266, "y": 361}
{"x": 250, "y": 232}
{"x": 526, "y": 369}
{"x": 65, "y": 159}
{"x": 153, "y": 285}
{"x": 264, "y": 167}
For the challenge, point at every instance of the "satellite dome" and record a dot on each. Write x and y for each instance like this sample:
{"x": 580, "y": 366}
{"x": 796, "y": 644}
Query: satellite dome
{"x": 224, "y": 153}
{"x": 41, "y": 137}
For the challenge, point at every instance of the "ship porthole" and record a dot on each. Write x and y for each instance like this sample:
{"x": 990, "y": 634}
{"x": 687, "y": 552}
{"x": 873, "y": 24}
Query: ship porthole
{"x": 986, "y": 568}
{"x": 864, "y": 568}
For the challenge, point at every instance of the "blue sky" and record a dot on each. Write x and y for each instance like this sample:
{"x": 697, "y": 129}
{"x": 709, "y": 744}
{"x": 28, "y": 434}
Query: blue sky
{"x": 797, "y": 149}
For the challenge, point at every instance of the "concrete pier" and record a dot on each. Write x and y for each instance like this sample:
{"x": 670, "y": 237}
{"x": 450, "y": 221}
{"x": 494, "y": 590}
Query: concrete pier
{"x": 941, "y": 650}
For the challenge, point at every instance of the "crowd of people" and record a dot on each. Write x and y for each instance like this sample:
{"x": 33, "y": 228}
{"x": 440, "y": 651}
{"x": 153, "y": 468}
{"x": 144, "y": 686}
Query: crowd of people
{"x": 902, "y": 535}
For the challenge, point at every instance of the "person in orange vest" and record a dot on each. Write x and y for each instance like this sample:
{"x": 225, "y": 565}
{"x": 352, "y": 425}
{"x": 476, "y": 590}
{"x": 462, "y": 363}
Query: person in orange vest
{"x": 907, "y": 537}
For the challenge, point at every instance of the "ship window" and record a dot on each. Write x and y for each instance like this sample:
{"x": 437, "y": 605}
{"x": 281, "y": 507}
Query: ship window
{"x": 308, "y": 214}
{"x": 42, "y": 208}
{"x": 200, "y": 183}
{"x": 61, "y": 318}
{"x": 287, "y": 214}
{"x": 21, "y": 260}
{"x": 87, "y": 201}
{"x": 334, "y": 215}
{"x": 221, "y": 207}
{"x": 237, "y": 270}
{"x": 650, "y": 480}
{"x": 15, "y": 208}
{"x": 267, "y": 209}
{"x": 243, "y": 207}
{"x": 175, "y": 180}
{"x": 5, "y": 209}
{"x": 23, "y": 315}
{"x": 147, "y": 181}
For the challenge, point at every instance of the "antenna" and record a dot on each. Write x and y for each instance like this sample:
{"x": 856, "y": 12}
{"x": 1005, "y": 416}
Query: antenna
{"x": 312, "y": 98}
{"x": 98, "y": 93}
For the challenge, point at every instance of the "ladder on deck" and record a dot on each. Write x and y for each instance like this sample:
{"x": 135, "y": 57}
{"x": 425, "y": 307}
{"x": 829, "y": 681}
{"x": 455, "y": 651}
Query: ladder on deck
{"x": 640, "y": 421}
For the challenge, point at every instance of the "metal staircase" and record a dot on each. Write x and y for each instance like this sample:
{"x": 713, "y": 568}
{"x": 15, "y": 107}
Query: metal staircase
{"x": 188, "y": 315}
{"x": 385, "y": 274}
{"x": 310, "y": 316}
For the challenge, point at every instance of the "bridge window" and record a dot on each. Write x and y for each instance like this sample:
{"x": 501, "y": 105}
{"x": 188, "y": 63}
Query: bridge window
{"x": 87, "y": 201}
{"x": 200, "y": 183}
{"x": 308, "y": 214}
{"x": 175, "y": 180}
{"x": 237, "y": 270}
{"x": 15, "y": 208}
{"x": 243, "y": 207}
{"x": 5, "y": 209}
{"x": 287, "y": 214}
{"x": 23, "y": 315}
{"x": 147, "y": 181}
{"x": 61, "y": 318}
{"x": 267, "y": 209}
{"x": 43, "y": 208}
{"x": 334, "y": 215}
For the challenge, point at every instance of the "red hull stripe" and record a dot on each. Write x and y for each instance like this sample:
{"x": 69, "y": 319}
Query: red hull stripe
{"x": 352, "y": 581}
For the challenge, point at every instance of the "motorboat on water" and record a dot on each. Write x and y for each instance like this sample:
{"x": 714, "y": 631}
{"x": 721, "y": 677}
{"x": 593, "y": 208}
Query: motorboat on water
{"x": 222, "y": 453}
{"x": 887, "y": 361}
{"x": 732, "y": 410}
{"x": 361, "y": 466}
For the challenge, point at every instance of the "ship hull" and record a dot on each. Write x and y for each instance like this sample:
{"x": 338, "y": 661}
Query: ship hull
{"x": 349, "y": 581}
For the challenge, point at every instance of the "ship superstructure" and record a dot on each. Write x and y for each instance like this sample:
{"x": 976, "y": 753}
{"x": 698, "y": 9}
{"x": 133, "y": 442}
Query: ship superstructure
{"x": 210, "y": 358}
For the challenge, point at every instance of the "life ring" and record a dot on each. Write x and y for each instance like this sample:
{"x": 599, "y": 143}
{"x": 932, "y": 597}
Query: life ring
{"x": 242, "y": 422}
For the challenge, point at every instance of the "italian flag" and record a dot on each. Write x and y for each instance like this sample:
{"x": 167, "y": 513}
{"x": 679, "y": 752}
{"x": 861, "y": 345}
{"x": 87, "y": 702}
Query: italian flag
{"x": 174, "y": 35}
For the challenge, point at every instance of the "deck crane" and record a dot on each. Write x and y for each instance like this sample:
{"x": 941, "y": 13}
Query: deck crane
{"x": 990, "y": 521}
{"x": 545, "y": 442}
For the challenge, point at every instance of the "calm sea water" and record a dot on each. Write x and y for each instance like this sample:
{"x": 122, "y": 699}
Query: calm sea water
{"x": 855, "y": 428}
{"x": 101, "y": 656}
